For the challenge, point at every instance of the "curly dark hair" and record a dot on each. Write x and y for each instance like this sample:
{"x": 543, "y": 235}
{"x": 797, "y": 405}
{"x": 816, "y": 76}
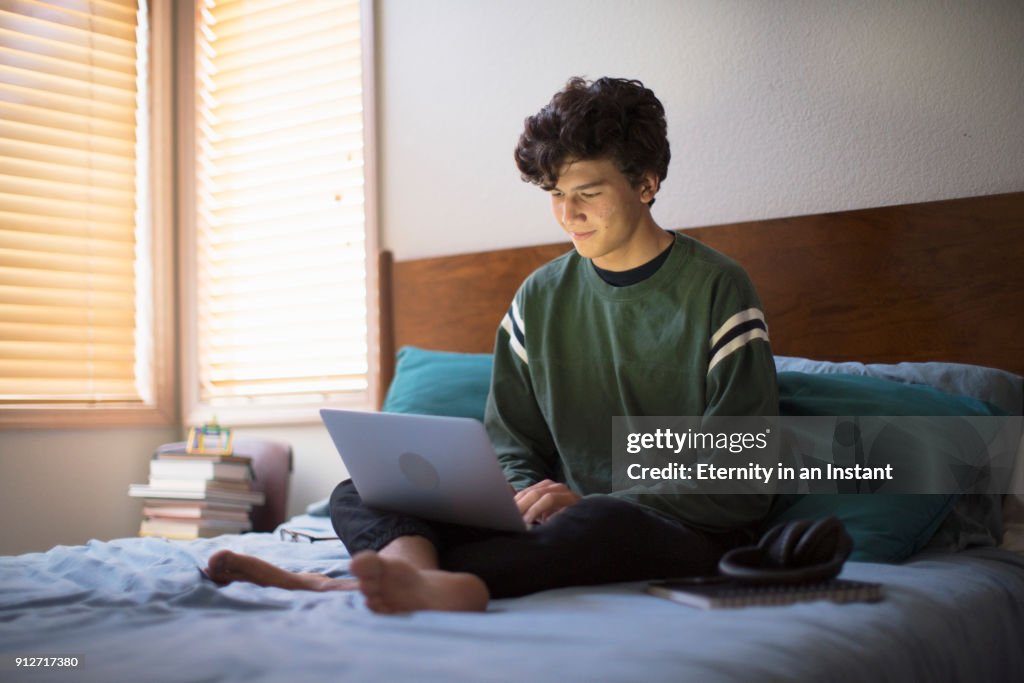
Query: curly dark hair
{"x": 610, "y": 118}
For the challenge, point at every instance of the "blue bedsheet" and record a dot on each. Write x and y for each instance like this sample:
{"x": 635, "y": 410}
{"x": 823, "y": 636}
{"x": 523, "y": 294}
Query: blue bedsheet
{"x": 137, "y": 610}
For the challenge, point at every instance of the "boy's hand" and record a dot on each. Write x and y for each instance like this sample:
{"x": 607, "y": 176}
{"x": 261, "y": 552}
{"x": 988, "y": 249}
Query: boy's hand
{"x": 541, "y": 501}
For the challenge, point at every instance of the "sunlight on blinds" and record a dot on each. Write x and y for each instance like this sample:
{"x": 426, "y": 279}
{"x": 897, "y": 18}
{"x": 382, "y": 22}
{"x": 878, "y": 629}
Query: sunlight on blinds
{"x": 279, "y": 181}
{"x": 72, "y": 93}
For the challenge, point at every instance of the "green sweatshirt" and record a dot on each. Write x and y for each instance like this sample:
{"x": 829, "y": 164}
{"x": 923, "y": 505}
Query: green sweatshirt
{"x": 574, "y": 351}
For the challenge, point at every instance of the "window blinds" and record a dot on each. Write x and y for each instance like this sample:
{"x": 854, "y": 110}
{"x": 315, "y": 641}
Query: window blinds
{"x": 72, "y": 94}
{"x": 280, "y": 252}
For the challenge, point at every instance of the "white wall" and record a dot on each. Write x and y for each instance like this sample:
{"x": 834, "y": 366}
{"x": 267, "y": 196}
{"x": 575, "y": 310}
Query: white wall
{"x": 68, "y": 486}
{"x": 775, "y": 108}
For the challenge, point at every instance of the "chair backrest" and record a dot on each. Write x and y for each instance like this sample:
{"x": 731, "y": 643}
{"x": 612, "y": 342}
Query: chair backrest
{"x": 272, "y": 467}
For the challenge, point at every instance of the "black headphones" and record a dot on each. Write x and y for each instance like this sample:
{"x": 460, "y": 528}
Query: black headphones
{"x": 801, "y": 551}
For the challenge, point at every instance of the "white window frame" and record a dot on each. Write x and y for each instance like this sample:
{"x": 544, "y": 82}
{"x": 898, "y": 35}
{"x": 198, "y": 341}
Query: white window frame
{"x": 195, "y": 412}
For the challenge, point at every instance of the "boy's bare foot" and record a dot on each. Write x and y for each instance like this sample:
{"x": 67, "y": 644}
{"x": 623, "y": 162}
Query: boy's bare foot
{"x": 392, "y": 586}
{"x": 225, "y": 566}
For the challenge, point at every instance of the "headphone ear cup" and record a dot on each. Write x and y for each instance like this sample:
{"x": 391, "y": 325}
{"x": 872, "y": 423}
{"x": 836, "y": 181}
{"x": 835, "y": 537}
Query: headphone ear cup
{"x": 818, "y": 543}
{"x": 770, "y": 537}
{"x": 780, "y": 552}
{"x": 800, "y": 551}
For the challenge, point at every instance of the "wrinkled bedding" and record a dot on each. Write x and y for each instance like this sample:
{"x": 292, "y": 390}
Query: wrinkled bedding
{"x": 138, "y": 609}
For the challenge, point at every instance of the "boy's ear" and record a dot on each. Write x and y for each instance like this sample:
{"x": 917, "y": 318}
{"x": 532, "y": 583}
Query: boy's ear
{"x": 649, "y": 186}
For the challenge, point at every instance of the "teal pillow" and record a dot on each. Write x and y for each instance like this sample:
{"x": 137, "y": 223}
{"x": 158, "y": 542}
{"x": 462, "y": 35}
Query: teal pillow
{"x": 885, "y": 528}
{"x": 439, "y": 383}
{"x": 820, "y": 394}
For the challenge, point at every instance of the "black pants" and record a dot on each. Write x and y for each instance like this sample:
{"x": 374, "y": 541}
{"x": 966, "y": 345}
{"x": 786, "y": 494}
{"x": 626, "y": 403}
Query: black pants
{"x": 600, "y": 539}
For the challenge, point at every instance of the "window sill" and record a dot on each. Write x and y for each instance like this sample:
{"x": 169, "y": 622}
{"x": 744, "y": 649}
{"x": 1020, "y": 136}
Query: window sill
{"x": 51, "y": 416}
{"x": 274, "y": 414}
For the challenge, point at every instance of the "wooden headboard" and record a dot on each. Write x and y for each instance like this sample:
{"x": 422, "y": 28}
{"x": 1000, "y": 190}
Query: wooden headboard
{"x": 939, "y": 281}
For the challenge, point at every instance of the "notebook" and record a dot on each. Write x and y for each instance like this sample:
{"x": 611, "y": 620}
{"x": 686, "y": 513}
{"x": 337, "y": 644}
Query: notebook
{"x": 715, "y": 593}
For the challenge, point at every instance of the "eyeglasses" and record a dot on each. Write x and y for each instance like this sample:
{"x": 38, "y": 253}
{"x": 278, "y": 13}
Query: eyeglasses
{"x": 293, "y": 536}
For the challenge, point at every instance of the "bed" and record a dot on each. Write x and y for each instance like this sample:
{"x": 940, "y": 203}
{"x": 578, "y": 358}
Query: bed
{"x": 924, "y": 295}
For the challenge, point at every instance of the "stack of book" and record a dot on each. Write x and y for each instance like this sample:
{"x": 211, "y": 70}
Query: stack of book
{"x": 196, "y": 496}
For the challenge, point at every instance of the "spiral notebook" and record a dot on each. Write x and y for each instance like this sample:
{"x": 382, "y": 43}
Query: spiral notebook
{"x": 718, "y": 593}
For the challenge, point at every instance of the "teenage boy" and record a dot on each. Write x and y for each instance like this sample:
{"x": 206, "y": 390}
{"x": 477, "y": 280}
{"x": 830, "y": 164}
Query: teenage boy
{"x": 635, "y": 321}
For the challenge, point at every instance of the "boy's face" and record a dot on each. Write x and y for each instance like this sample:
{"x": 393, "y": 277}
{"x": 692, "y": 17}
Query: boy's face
{"x": 603, "y": 213}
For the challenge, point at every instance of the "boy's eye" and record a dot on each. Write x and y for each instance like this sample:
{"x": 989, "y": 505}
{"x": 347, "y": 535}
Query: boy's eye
{"x": 589, "y": 195}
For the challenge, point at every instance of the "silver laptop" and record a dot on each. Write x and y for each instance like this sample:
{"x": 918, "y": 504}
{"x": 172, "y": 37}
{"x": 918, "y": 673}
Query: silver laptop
{"x": 439, "y": 468}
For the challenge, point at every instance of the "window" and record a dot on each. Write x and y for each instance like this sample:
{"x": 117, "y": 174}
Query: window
{"x": 275, "y": 313}
{"x": 83, "y": 238}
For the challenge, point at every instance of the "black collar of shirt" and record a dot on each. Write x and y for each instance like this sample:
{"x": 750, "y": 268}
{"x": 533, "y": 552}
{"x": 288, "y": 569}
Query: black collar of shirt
{"x": 625, "y": 278}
